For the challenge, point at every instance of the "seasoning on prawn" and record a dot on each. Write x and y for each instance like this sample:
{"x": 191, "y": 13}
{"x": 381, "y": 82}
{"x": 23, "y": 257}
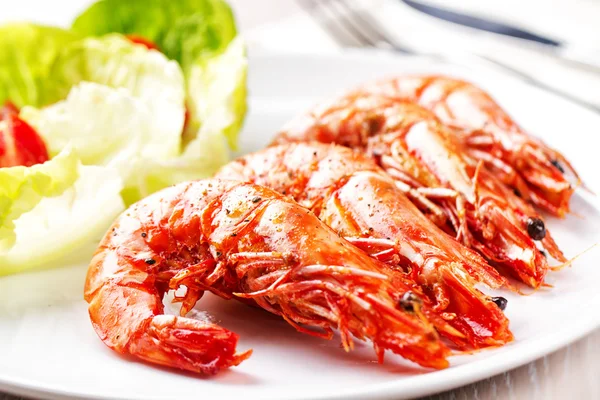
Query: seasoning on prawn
{"x": 355, "y": 197}
{"x": 541, "y": 174}
{"x": 212, "y": 235}
{"x": 454, "y": 189}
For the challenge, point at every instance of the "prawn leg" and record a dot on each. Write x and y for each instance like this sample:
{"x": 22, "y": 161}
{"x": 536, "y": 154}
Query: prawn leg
{"x": 270, "y": 250}
{"x": 347, "y": 191}
{"x": 533, "y": 169}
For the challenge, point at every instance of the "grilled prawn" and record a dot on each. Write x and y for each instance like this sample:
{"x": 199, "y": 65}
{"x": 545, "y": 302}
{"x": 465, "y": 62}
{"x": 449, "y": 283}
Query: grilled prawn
{"x": 537, "y": 172}
{"x": 351, "y": 194}
{"x": 245, "y": 241}
{"x": 455, "y": 190}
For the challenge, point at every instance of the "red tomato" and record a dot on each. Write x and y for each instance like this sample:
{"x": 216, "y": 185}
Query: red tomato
{"x": 143, "y": 41}
{"x": 19, "y": 142}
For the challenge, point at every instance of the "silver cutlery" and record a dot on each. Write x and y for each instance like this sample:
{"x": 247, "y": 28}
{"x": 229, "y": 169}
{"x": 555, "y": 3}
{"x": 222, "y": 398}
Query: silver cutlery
{"x": 351, "y": 27}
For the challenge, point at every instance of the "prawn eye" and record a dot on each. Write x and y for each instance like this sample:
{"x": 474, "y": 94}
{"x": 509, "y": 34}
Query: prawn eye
{"x": 558, "y": 166}
{"x": 536, "y": 228}
{"x": 408, "y": 301}
{"x": 501, "y": 302}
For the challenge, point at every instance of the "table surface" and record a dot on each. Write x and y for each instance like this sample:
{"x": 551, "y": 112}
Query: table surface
{"x": 571, "y": 372}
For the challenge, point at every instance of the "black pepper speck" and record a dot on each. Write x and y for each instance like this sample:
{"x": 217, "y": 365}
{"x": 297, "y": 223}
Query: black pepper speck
{"x": 408, "y": 301}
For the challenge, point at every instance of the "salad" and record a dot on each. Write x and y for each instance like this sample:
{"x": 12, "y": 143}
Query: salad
{"x": 133, "y": 97}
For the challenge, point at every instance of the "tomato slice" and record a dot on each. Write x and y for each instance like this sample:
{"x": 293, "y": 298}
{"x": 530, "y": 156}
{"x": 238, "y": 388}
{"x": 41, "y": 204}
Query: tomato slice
{"x": 19, "y": 142}
{"x": 143, "y": 41}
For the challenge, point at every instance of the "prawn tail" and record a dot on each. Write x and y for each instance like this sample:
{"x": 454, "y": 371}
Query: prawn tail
{"x": 189, "y": 345}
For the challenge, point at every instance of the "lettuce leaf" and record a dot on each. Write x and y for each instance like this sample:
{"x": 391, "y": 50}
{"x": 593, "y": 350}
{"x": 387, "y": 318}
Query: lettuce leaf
{"x": 199, "y": 34}
{"x": 217, "y": 93}
{"x": 60, "y": 208}
{"x": 219, "y": 99}
{"x": 23, "y": 187}
{"x": 133, "y": 120}
{"x": 124, "y": 108}
{"x": 184, "y": 30}
{"x": 113, "y": 113}
{"x": 26, "y": 53}
{"x": 203, "y": 156}
{"x": 111, "y": 127}
{"x": 104, "y": 125}
{"x": 116, "y": 62}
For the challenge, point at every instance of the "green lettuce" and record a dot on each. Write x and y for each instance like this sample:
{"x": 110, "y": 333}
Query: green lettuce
{"x": 184, "y": 30}
{"x": 26, "y": 53}
{"x": 124, "y": 108}
{"x": 111, "y": 127}
{"x": 106, "y": 125}
{"x": 116, "y": 62}
{"x": 133, "y": 120}
{"x": 202, "y": 157}
{"x": 23, "y": 187}
{"x": 113, "y": 115}
{"x": 199, "y": 35}
{"x": 217, "y": 92}
{"x": 60, "y": 208}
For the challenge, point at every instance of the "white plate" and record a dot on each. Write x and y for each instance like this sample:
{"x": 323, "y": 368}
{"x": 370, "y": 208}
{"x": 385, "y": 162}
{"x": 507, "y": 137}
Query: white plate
{"x": 48, "y": 347}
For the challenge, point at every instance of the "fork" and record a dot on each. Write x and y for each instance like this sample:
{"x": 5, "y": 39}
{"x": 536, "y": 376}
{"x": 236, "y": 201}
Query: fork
{"x": 350, "y": 28}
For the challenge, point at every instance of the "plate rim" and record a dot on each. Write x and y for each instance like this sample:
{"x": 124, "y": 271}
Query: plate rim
{"x": 446, "y": 379}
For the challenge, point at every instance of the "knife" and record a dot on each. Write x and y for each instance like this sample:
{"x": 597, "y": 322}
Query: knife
{"x": 500, "y": 28}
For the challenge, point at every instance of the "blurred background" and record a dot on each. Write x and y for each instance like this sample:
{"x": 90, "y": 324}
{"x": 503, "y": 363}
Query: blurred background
{"x": 555, "y": 44}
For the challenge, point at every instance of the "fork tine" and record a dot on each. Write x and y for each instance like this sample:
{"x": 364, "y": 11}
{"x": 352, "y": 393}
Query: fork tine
{"x": 340, "y": 13}
{"x": 332, "y": 26}
{"x": 367, "y": 23}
